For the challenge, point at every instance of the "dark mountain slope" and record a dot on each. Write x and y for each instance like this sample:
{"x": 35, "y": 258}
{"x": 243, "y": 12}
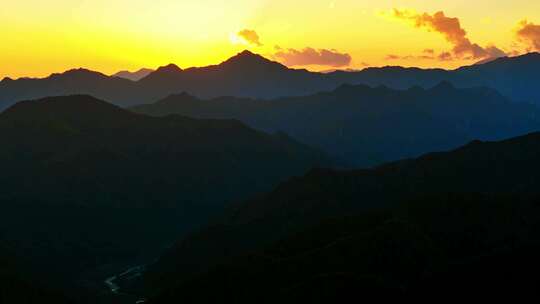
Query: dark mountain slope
{"x": 452, "y": 245}
{"x": 504, "y": 212}
{"x": 15, "y": 287}
{"x": 514, "y": 77}
{"x": 250, "y": 75}
{"x": 367, "y": 126}
{"x": 67, "y": 135}
{"x": 77, "y": 81}
{"x": 100, "y": 187}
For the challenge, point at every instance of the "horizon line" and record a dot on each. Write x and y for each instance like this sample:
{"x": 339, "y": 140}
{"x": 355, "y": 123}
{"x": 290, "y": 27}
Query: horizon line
{"x": 327, "y": 71}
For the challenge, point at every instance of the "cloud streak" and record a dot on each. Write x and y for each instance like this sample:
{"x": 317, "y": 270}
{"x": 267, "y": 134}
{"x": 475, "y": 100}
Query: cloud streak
{"x": 250, "y": 36}
{"x": 450, "y": 28}
{"x": 311, "y": 56}
{"x": 530, "y": 34}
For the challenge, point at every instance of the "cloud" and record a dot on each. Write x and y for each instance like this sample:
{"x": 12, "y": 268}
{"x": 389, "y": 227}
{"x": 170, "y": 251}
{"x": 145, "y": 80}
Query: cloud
{"x": 451, "y": 28}
{"x": 426, "y": 54}
{"x": 530, "y": 34}
{"x": 392, "y": 57}
{"x": 311, "y": 56}
{"x": 445, "y": 56}
{"x": 250, "y": 36}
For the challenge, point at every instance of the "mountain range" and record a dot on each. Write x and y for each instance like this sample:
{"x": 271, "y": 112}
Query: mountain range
{"x": 233, "y": 183}
{"x": 367, "y": 126}
{"x": 464, "y": 220}
{"x": 251, "y": 75}
{"x": 88, "y": 187}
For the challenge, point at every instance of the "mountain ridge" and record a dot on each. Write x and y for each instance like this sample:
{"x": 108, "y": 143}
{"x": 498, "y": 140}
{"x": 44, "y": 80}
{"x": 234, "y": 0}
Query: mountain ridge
{"x": 251, "y": 75}
{"x": 134, "y": 76}
{"x": 362, "y": 125}
{"x": 125, "y": 184}
{"x": 455, "y": 208}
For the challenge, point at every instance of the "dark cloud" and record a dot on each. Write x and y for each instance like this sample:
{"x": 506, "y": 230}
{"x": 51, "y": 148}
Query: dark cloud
{"x": 453, "y": 32}
{"x": 250, "y": 36}
{"x": 311, "y": 56}
{"x": 530, "y": 34}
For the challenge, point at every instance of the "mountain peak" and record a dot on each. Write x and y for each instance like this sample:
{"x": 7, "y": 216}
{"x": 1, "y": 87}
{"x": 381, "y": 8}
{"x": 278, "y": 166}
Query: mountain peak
{"x": 444, "y": 86}
{"x": 77, "y": 108}
{"x": 134, "y": 76}
{"x": 170, "y": 68}
{"x": 246, "y": 53}
{"x": 248, "y": 59}
{"x": 163, "y": 72}
{"x": 79, "y": 72}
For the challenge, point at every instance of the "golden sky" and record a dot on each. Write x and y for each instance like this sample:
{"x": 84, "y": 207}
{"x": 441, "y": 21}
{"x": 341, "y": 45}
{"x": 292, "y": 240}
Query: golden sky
{"x": 39, "y": 37}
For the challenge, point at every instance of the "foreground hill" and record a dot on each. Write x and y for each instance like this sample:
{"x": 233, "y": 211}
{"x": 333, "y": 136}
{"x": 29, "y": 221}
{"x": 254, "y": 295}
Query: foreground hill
{"x": 367, "y": 126}
{"x": 16, "y": 288}
{"x": 251, "y": 75}
{"x": 88, "y": 145}
{"x": 97, "y": 185}
{"x": 418, "y": 228}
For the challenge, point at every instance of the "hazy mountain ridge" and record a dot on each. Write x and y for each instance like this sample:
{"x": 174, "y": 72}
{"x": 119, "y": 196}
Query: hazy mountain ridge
{"x": 134, "y": 76}
{"x": 251, "y": 75}
{"x": 366, "y": 126}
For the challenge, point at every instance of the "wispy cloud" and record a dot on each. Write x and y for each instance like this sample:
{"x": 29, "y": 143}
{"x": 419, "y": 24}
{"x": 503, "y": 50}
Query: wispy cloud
{"x": 530, "y": 34}
{"x": 451, "y": 29}
{"x": 250, "y": 36}
{"x": 311, "y": 56}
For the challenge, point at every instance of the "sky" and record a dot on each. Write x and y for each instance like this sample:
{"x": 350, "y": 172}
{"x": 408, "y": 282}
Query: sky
{"x": 40, "y": 37}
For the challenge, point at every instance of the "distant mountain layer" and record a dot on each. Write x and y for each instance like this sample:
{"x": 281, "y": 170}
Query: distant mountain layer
{"x": 461, "y": 222}
{"x": 250, "y": 75}
{"x": 98, "y": 185}
{"x": 134, "y": 76}
{"x": 64, "y": 143}
{"x": 366, "y": 126}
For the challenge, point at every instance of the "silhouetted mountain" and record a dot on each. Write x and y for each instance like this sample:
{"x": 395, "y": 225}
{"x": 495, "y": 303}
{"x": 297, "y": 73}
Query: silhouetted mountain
{"x": 367, "y": 126}
{"x": 514, "y": 77}
{"x": 134, "y": 76}
{"x": 466, "y": 245}
{"x": 245, "y": 74}
{"x": 16, "y": 286}
{"x": 78, "y": 81}
{"x": 247, "y": 61}
{"x": 250, "y": 75}
{"x": 411, "y": 228}
{"x": 100, "y": 187}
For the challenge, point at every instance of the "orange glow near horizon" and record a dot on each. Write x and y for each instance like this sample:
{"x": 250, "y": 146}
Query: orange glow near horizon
{"x": 42, "y": 37}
